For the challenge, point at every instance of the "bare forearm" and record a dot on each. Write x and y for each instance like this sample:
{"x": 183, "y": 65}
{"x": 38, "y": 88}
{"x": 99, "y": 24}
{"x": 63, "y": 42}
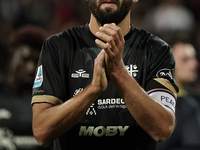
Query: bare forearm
{"x": 155, "y": 119}
{"x": 52, "y": 122}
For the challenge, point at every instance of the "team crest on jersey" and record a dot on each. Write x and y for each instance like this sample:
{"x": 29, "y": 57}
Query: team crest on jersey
{"x": 132, "y": 70}
{"x": 39, "y": 78}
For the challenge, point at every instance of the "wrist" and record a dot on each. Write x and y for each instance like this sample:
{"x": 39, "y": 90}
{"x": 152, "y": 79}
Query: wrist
{"x": 117, "y": 71}
{"x": 112, "y": 67}
{"x": 120, "y": 77}
{"x": 96, "y": 89}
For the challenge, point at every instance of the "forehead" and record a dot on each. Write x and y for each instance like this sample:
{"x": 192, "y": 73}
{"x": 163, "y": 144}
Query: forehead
{"x": 184, "y": 49}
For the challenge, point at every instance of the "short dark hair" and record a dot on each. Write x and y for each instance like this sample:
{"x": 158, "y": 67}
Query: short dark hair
{"x": 30, "y": 35}
{"x": 179, "y": 38}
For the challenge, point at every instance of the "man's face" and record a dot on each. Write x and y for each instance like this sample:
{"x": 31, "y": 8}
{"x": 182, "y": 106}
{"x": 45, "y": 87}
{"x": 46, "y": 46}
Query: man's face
{"x": 24, "y": 64}
{"x": 186, "y": 63}
{"x": 109, "y": 11}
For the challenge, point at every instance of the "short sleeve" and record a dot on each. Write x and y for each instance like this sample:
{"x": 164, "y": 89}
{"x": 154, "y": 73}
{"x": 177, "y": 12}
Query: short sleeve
{"x": 47, "y": 85}
{"x": 161, "y": 84}
{"x": 161, "y": 63}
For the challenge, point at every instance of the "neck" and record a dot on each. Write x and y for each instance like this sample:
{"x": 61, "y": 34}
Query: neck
{"x": 124, "y": 25}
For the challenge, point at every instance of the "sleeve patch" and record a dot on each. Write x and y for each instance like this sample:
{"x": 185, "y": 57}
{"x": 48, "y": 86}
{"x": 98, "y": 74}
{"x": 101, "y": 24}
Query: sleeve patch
{"x": 164, "y": 73}
{"x": 39, "y": 78}
{"x": 163, "y": 97}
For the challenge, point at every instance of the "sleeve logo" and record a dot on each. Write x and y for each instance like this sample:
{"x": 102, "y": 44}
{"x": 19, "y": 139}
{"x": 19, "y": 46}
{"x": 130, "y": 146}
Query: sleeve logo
{"x": 39, "y": 78}
{"x": 164, "y": 73}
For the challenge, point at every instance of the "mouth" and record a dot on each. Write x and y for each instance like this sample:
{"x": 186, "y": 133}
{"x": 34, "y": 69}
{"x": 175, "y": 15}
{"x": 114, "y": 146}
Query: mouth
{"x": 109, "y": 4}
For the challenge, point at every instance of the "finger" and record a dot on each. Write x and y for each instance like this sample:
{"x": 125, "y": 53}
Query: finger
{"x": 104, "y": 36}
{"x": 117, "y": 29}
{"x": 100, "y": 59}
{"x": 120, "y": 41}
{"x": 102, "y": 44}
{"x": 105, "y": 46}
{"x": 111, "y": 43}
{"x": 102, "y": 56}
{"x": 116, "y": 38}
{"x": 110, "y": 32}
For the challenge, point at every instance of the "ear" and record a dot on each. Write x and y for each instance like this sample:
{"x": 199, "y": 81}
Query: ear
{"x": 135, "y": 1}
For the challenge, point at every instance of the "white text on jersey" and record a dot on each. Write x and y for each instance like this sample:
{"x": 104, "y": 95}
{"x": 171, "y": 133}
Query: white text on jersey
{"x": 103, "y": 131}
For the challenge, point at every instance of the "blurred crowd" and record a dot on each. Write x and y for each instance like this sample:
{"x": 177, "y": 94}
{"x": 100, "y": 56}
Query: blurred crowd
{"x": 161, "y": 17}
{"x": 25, "y": 24}
{"x": 157, "y": 16}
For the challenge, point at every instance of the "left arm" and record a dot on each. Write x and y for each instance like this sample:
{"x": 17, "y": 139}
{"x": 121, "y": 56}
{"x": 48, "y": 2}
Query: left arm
{"x": 157, "y": 120}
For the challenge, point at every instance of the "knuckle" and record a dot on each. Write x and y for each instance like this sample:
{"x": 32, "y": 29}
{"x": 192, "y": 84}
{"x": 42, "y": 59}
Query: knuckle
{"x": 123, "y": 40}
{"x": 110, "y": 39}
{"x": 107, "y": 46}
{"x": 114, "y": 35}
{"x": 118, "y": 29}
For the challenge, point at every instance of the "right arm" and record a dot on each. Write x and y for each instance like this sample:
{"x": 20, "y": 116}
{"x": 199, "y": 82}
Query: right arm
{"x": 50, "y": 122}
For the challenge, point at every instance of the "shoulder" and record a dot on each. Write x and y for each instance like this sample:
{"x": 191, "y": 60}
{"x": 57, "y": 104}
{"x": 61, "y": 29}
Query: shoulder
{"x": 149, "y": 39}
{"x": 69, "y": 33}
{"x": 155, "y": 44}
{"x": 66, "y": 38}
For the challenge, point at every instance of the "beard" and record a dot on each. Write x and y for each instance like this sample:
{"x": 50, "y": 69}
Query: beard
{"x": 108, "y": 15}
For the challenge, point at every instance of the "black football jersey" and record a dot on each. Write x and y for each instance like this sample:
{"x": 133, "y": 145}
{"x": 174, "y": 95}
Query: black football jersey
{"x": 66, "y": 67}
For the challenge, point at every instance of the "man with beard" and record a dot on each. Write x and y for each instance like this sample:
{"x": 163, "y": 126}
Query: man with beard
{"x": 104, "y": 85}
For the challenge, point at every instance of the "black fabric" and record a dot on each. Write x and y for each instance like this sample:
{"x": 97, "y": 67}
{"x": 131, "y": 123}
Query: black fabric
{"x": 68, "y": 58}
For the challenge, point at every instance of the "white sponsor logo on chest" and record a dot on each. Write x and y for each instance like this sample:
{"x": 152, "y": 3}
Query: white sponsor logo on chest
{"x": 103, "y": 131}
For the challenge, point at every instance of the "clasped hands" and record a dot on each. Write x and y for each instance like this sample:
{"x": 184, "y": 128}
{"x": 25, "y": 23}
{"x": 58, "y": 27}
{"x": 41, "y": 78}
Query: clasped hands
{"x": 110, "y": 58}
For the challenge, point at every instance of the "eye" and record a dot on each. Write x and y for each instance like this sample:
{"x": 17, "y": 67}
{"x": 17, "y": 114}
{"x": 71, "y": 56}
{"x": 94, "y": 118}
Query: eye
{"x": 185, "y": 59}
